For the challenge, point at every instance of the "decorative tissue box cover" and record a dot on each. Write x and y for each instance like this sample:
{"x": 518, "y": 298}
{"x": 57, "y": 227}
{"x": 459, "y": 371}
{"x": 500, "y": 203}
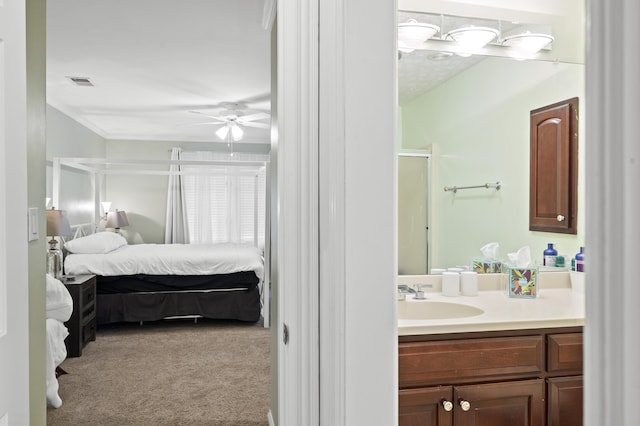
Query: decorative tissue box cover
{"x": 522, "y": 282}
{"x": 484, "y": 266}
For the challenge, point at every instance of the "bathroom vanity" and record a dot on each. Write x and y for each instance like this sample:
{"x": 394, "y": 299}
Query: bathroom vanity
{"x": 506, "y": 362}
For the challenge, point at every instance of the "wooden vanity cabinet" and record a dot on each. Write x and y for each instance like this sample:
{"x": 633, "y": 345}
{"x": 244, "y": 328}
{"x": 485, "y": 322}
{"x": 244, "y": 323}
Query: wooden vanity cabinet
{"x": 517, "y": 378}
{"x": 490, "y": 404}
{"x": 564, "y": 379}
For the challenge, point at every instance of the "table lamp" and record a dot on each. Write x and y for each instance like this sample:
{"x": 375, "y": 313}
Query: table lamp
{"x": 57, "y": 225}
{"x": 117, "y": 220}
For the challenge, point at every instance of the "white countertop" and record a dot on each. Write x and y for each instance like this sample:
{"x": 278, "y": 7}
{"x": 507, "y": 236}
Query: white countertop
{"x": 557, "y": 306}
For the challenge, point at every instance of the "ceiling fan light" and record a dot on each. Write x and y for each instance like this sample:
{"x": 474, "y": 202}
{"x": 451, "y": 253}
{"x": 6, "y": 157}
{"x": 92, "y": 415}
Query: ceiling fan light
{"x": 222, "y": 132}
{"x": 473, "y": 38}
{"x": 412, "y": 32}
{"x": 236, "y": 132}
{"x": 528, "y": 42}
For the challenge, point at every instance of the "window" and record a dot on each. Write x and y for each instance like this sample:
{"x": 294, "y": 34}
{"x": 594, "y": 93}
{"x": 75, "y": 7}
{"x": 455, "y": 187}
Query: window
{"x": 225, "y": 203}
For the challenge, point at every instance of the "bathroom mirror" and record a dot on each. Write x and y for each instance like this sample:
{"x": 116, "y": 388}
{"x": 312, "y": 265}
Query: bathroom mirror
{"x": 472, "y": 115}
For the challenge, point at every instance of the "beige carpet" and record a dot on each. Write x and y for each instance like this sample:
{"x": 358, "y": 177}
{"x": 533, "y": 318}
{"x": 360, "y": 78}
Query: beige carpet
{"x": 171, "y": 372}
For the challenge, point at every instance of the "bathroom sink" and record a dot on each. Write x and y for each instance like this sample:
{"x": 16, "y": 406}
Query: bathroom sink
{"x": 435, "y": 310}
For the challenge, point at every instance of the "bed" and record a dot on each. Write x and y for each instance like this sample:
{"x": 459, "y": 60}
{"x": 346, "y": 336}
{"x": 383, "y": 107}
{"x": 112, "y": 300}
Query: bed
{"x": 59, "y": 306}
{"x": 149, "y": 282}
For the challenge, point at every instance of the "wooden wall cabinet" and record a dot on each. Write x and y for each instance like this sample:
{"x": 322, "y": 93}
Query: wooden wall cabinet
{"x": 553, "y": 193}
{"x": 514, "y": 378}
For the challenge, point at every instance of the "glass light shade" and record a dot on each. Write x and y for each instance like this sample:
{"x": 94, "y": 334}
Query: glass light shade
{"x": 402, "y": 46}
{"x": 222, "y": 132}
{"x": 236, "y": 132}
{"x": 473, "y": 38}
{"x": 412, "y": 32}
{"x": 528, "y": 42}
{"x": 106, "y": 206}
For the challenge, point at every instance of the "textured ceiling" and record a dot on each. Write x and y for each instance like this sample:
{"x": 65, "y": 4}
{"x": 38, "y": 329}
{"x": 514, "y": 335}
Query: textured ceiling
{"x": 422, "y": 70}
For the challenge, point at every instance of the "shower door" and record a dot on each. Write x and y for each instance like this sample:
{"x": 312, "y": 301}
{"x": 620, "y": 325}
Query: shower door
{"x": 413, "y": 212}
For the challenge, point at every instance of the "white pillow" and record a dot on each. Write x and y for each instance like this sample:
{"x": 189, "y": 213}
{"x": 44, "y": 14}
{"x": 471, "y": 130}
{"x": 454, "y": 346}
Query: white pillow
{"x": 98, "y": 243}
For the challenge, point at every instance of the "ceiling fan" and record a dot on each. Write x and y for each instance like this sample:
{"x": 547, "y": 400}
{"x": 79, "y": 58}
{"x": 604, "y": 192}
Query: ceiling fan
{"x": 232, "y": 118}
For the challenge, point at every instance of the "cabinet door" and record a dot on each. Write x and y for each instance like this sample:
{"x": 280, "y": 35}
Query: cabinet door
{"x": 425, "y": 406}
{"x": 565, "y": 401}
{"x": 554, "y": 168}
{"x": 519, "y": 403}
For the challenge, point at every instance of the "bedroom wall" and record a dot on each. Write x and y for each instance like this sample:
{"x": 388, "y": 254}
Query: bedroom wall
{"x": 68, "y": 138}
{"x": 479, "y": 123}
{"x": 144, "y": 197}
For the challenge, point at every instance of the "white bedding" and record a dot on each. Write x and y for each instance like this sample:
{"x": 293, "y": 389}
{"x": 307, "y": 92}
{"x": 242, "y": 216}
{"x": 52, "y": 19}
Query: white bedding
{"x": 59, "y": 305}
{"x": 169, "y": 259}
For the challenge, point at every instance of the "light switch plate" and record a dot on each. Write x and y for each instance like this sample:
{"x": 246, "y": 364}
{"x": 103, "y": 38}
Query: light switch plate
{"x": 34, "y": 233}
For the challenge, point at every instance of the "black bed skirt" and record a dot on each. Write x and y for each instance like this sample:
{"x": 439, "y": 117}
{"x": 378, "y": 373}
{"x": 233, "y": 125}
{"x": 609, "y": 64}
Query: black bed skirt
{"x": 168, "y": 283}
{"x": 243, "y": 305}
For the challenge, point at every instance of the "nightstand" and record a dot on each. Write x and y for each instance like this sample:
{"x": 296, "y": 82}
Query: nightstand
{"x": 82, "y": 324}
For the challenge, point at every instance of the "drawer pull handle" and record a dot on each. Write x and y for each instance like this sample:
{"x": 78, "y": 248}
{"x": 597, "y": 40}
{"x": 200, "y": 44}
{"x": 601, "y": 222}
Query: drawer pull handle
{"x": 447, "y": 405}
{"x": 560, "y": 218}
{"x": 465, "y": 405}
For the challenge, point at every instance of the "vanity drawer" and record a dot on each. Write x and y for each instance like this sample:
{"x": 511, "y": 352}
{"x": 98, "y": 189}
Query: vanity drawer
{"x": 458, "y": 361}
{"x": 564, "y": 353}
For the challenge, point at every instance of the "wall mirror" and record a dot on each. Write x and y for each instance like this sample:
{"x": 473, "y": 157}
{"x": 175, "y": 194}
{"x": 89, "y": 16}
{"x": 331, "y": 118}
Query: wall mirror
{"x": 471, "y": 113}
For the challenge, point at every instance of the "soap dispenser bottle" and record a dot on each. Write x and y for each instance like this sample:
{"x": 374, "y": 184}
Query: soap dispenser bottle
{"x": 580, "y": 260}
{"x": 550, "y": 255}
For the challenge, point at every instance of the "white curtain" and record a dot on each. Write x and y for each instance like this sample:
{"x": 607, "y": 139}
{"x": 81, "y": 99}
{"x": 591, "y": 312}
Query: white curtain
{"x": 177, "y": 226}
{"x": 222, "y": 204}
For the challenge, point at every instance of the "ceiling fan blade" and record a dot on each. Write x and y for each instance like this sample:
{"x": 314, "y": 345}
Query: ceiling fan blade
{"x": 254, "y": 124}
{"x": 208, "y": 123}
{"x": 222, "y": 119}
{"x": 254, "y": 117}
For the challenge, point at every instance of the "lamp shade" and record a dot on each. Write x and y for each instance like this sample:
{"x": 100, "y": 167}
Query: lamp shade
{"x": 117, "y": 219}
{"x": 106, "y": 206}
{"x": 57, "y": 223}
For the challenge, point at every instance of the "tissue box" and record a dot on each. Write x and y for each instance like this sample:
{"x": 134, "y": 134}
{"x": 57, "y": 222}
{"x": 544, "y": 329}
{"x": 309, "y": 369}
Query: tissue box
{"x": 484, "y": 266}
{"x": 522, "y": 282}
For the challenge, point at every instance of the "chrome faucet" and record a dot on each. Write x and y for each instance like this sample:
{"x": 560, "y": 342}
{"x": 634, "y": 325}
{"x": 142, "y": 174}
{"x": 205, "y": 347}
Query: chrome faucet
{"x": 403, "y": 290}
{"x": 420, "y": 293}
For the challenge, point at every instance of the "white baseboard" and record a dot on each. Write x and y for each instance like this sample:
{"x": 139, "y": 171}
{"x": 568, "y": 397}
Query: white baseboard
{"x": 270, "y": 418}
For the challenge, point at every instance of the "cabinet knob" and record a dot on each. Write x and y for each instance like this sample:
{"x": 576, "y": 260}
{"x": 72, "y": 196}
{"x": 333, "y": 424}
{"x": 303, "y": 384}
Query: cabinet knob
{"x": 447, "y": 405}
{"x": 560, "y": 218}
{"x": 465, "y": 405}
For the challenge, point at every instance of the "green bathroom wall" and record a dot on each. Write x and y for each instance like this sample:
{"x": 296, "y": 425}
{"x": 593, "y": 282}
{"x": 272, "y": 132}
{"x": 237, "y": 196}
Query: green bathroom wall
{"x": 478, "y": 126}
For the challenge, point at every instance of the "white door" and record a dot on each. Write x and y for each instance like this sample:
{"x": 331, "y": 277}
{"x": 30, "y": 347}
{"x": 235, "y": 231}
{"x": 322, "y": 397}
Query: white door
{"x": 14, "y": 347}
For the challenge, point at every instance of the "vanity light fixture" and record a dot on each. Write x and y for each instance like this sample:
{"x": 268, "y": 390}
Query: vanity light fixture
{"x": 472, "y": 38}
{"x": 527, "y": 42}
{"x": 413, "y": 32}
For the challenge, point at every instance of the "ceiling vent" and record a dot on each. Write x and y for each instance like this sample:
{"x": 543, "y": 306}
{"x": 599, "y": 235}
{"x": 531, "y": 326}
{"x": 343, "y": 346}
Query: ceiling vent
{"x": 81, "y": 81}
